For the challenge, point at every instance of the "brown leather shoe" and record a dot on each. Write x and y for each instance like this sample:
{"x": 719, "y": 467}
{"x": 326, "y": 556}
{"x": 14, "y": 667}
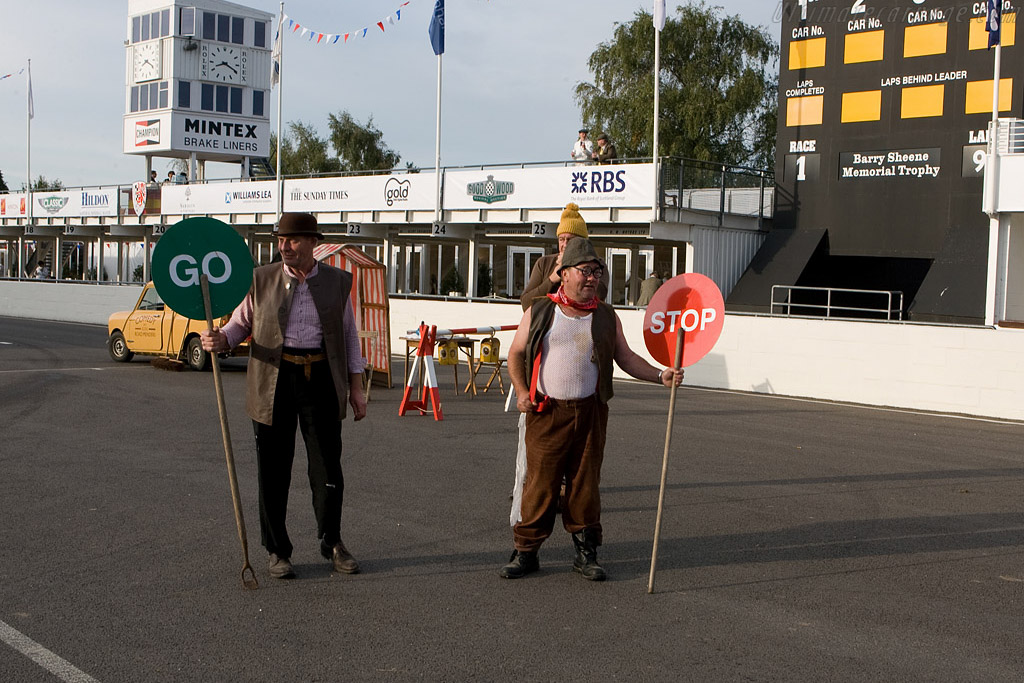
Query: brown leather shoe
{"x": 281, "y": 567}
{"x": 341, "y": 559}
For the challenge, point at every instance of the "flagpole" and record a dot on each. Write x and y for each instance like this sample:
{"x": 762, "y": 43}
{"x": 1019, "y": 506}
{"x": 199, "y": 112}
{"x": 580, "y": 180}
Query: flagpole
{"x": 437, "y": 148}
{"x": 996, "y": 276}
{"x": 280, "y": 90}
{"x": 657, "y": 117}
{"x": 28, "y": 148}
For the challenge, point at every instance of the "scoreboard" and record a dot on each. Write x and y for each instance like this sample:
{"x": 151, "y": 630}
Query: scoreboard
{"x": 884, "y": 108}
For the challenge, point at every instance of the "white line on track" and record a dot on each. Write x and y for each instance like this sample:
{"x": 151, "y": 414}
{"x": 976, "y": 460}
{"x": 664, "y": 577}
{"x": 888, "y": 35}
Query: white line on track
{"x": 59, "y": 667}
{"x": 14, "y": 372}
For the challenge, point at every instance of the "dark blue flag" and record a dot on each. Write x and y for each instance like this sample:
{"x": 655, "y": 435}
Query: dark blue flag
{"x": 436, "y": 29}
{"x": 994, "y": 21}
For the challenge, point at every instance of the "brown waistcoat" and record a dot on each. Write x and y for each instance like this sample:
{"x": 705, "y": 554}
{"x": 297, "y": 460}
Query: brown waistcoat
{"x": 272, "y": 292}
{"x": 602, "y": 329}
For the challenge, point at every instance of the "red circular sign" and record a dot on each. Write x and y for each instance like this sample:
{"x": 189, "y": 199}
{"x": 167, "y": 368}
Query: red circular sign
{"x": 691, "y": 302}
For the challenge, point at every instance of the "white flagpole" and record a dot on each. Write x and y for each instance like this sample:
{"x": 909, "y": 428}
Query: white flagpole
{"x": 280, "y": 90}
{"x": 996, "y": 276}
{"x": 29, "y": 106}
{"x": 657, "y": 110}
{"x": 437, "y": 147}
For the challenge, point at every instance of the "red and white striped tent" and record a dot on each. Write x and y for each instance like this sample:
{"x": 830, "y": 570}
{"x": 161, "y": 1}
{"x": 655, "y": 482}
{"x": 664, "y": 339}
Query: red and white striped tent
{"x": 369, "y": 302}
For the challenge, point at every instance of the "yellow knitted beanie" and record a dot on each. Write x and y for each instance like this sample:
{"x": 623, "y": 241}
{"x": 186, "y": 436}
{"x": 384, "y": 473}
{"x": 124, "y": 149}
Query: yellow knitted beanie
{"x": 572, "y": 222}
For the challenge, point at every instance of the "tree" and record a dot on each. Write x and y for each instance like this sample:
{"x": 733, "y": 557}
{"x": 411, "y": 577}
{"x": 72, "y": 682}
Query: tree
{"x": 303, "y": 152}
{"x": 361, "y": 148}
{"x": 41, "y": 184}
{"x": 718, "y": 88}
{"x": 3, "y": 185}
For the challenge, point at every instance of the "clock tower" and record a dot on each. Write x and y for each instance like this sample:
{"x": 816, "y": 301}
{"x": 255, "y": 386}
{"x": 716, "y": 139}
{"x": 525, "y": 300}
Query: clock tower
{"x": 197, "y": 82}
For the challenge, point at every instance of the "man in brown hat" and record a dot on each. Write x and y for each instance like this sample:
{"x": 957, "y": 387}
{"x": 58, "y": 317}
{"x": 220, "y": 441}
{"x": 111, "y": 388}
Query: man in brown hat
{"x": 303, "y": 365}
{"x": 561, "y": 366}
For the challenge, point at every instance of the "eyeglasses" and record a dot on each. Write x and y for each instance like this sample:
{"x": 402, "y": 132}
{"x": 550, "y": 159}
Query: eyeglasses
{"x": 590, "y": 272}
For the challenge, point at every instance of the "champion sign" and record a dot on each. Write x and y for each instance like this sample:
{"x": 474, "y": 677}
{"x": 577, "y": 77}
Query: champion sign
{"x": 147, "y": 133}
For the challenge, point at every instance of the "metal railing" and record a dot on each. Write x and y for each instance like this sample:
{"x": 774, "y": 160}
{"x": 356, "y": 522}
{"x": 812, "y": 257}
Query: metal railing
{"x": 835, "y": 302}
{"x": 716, "y": 187}
{"x": 1011, "y": 136}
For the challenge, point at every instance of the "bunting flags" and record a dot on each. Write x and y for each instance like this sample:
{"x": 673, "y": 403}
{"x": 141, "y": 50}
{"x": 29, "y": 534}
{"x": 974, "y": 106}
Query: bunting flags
{"x": 16, "y": 73}
{"x": 659, "y": 15}
{"x": 323, "y": 38}
{"x": 436, "y": 29}
{"x": 994, "y": 21}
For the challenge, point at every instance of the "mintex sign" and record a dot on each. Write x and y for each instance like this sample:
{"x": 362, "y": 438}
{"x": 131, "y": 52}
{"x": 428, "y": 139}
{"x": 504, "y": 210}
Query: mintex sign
{"x": 211, "y": 136}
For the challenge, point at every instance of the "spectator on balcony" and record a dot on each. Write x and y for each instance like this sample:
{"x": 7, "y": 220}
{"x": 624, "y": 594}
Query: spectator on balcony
{"x": 152, "y": 178}
{"x": 181, "y": 178}
{"x": 605, "y": 152}
{"x": 583, "y": 149}
{"x": 170, "y": 178}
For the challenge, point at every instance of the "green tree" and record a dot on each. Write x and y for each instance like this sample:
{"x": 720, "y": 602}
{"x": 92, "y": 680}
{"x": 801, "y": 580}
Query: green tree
{"x": 41, "y": 184}
{"x": 303, "y": 151}
{"x": 3, "y": 185}
{"x": 718, "y": 88}
{"x": 361, "y": 148}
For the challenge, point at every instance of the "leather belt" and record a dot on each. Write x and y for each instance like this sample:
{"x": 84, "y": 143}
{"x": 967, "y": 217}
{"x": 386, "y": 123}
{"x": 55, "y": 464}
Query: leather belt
{"x": 306, "y": 360}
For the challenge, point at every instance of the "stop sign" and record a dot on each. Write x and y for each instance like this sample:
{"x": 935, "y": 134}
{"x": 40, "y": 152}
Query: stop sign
{"x": 691, "y": 303}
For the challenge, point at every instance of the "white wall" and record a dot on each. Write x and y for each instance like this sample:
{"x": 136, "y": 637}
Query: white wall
{"x": 975, "y": 371}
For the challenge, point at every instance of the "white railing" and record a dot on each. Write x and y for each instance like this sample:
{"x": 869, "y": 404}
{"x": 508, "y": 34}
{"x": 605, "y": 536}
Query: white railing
{"x": 822, "y": 302}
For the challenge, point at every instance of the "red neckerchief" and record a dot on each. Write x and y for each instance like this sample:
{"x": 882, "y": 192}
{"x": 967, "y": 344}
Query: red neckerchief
{"x": 560, "y": 297}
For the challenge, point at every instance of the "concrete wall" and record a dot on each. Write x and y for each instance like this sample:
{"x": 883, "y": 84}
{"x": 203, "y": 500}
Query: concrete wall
{"x": 975, "y": 371}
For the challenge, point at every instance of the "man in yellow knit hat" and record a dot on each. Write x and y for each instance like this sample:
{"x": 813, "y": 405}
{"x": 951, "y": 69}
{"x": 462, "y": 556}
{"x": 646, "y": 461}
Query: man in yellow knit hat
{"x": 545, "y": 278}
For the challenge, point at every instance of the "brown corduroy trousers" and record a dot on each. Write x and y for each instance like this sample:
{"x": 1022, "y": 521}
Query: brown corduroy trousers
{"x": 567, "y": 440}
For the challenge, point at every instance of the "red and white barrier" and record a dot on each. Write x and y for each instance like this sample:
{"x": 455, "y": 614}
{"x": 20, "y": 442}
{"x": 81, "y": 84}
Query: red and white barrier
{"x": 425, "y": 358}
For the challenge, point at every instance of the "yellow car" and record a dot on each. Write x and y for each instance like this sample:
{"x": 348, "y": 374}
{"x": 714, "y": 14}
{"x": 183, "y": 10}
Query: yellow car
{"x": 152, "y": 329}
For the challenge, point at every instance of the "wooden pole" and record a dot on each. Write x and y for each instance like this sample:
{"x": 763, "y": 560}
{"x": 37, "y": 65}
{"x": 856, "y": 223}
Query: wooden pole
{"x": 248, "y": 575}
{"x": 664, "y": 462}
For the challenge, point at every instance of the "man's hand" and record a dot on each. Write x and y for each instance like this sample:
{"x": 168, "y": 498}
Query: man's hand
{"x": 524, "y": 404}
{"x": 670, "y": 376}
{"x": 214, "y": 340}
{"x": 357, "y": 400}
{"x": 555, "y": 277}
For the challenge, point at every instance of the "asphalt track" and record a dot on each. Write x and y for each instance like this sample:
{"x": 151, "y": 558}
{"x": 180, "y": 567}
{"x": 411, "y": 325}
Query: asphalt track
{"x": 801, "y": 541}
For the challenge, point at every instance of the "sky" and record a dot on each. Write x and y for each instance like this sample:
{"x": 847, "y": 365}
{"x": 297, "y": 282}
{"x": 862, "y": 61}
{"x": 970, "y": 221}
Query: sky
{"x": 509, "y": 72}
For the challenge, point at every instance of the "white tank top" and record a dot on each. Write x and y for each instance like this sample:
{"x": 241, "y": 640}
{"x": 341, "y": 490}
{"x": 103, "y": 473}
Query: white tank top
{"x": 567, "y": 367}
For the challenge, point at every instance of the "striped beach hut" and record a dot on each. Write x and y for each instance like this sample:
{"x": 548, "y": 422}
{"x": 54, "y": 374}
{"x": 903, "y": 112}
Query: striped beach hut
{"x": 369, "y": 302}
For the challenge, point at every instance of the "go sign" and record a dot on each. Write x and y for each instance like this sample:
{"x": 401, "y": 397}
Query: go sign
{"x": 691, "y": 303}
{"x": 196, "y": 247}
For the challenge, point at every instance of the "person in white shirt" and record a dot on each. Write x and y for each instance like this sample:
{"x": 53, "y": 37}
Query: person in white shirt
{"x": 583, "y": 149}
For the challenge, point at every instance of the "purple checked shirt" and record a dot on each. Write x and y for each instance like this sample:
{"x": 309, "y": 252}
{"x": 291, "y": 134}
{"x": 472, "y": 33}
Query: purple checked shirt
{"x": 303, "y": 330}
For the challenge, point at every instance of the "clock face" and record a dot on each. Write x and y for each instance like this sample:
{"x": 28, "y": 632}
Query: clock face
{"x": 146, "y": 62}
{"x": 225, "y": 64}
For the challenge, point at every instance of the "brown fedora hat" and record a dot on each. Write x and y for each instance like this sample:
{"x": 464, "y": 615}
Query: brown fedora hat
{"x": 296, "y": 224}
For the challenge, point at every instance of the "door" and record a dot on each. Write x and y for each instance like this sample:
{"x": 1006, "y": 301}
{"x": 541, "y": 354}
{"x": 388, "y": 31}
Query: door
{"x": 619, "y": 262}
{"x": 520, "y": 264}
{"x": 144, "y": 327}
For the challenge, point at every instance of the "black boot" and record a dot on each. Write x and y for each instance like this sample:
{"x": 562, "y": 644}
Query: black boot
{"x": 520, "y": 564}
{"x": 586, "y": 556}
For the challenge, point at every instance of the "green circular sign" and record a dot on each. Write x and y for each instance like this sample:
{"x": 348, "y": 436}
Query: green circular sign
{"x": 196, "y": 247}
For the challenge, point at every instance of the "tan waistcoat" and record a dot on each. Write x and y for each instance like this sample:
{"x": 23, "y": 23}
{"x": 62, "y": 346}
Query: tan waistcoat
{"x": 272, "y": 292}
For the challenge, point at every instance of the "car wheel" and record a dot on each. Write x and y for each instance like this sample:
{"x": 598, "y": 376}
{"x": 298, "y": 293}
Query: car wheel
{"x": 118, "y": 348}
{"x": 198, "y": 358}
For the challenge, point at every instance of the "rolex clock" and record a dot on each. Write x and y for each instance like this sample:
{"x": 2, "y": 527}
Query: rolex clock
{"x": 224, "y": 63}
{"x": 146, "y": 62}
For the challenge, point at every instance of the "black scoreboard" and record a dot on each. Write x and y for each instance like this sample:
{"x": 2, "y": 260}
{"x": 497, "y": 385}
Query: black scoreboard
{"x": 884, "y": 108}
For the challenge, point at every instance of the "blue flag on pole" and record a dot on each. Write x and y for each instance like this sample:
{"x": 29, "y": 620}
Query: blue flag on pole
{"x": 994, "y": 21}
{"x": 436, "y": 29}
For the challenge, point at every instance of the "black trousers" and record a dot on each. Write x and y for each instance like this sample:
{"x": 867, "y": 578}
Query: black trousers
{"x": 312, "y": 405}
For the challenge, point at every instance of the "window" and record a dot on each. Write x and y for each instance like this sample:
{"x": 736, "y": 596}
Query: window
{"x": 223, "y": 28}
{"x": 154, "y": 21}
{"x": 165, "y": 23}
{"x": 257, "y": 102}
{"x": 221, "y": 104}
{"x": 163, "y": 95}
{"x": 150, "y": 26}
{"x": 237, "y": 30}
{"x": 185, "y": 94}
{"x": 143, "y": 97}
{"x": 260, "y": 34}
{"x": 134, "y": 104}
{"x": 206, "y": 97}
{"x": 187, "y": 23}
{"x": 136, "y": 29}
{"x": 209, "y": 26}
{"x": 236, "y": 100}
{"x": 146, "y": 23}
